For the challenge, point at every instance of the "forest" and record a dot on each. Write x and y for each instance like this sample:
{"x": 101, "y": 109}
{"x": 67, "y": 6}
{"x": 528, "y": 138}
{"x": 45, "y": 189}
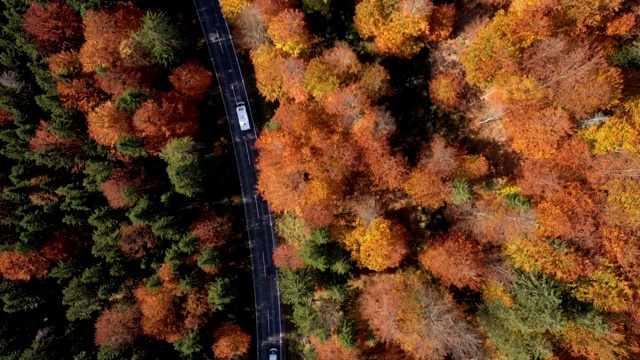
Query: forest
{"x": 449, "y": 179}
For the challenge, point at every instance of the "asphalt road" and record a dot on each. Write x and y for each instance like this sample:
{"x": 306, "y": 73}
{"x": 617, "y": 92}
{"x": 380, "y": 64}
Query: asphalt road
{"x": 259, "y": 221}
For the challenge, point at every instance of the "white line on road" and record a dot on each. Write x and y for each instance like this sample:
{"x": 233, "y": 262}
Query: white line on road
{"x": 257, "y": 211}
{"x": 264, "y": 265}
{"x": 268, "y": 321}
{"x": 234, "y": 94}
{"x": 247, "y": 147}
{"x": 219, "y": 42}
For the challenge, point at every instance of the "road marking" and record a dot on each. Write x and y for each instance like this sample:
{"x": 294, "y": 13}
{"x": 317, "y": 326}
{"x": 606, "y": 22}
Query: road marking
{"x": 264, "y": 265}
{"x": 234, "y": 94}
{"x": 257, "y": 211}
{"x": 247, "y": 147}
{"x": 219, "y": 41}
{"x": 268, "y": 321}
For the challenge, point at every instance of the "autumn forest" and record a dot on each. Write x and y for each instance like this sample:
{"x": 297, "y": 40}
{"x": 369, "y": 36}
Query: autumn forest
{"x": 448, "y": 179}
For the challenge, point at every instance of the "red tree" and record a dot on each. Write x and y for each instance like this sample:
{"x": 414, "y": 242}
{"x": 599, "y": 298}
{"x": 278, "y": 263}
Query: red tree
{"x": 80, "y": 93}
{"x": 159, "y": 311}
{"x": 230, "y": 341}
{"x": 211, "y": 229}
{"x": 54, "y": 27}
{"x": 104, "y": 31}
{"x": 171, "y": 116}
{"x": 113, "y": 188}
{"x": 192, "y": 79}
{"x": 118, "y": 328}
{"x": 456, "y": 259}
{"x": 136, "y": 241}
{"x": 286, "y": 256}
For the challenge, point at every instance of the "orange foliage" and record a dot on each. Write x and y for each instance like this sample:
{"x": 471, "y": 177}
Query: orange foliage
{"x": 159, "y": 312}
{"x": 115, "y": 80}
{"x": 80, "y": 93}
{"x": 107, "y": 124}
{"x": 379, "y": 245}
{"x": 230, "y": 341}
{"x": 455, "y": 259}
{"x": 288, "y": 32}
{"x": 293, "y": 70}
{"x": 429, "y": 183}
{"x": 584, "y": 343}
{"x": 445, "y": 89}
{"x": 118, "y": 328}
{"x": 53, "y": 27}
{"x": 104, "y": 31}
{"x": 286, "y": 256}
{"x": 43, "y": 139}
{"x": 64, "y": 63}
{"x": 170, "y": 116}
{"x": 568, "y": 214}
{"x": 113, "y": 188}
{"x": 621, "y": 24}
{"x": 406, "y": 310}
{"x": 211, "y": 229}
{"x": 136, "y": 241}
{"x": 269, "y": 80}
{"x": 62, "y": 245}
{"x": 441, "y": 22}
{"x": 332, "y": 349}
{"x": 539, "y": 178}
{"x": 22, "y": 267}
{"x": 196, "y": 310}
{"x": 564, "y": 264}
{"x": 191, "y": 79}
{"x": 537, "y": 133}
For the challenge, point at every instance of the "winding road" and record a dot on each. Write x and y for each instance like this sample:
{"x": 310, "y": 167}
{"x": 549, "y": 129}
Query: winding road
{"x": 259, "y": 221}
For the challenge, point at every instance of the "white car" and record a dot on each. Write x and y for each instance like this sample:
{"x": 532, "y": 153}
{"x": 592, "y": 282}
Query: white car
{"x": 243, "y": 118}
{"x": 273, "y": 354}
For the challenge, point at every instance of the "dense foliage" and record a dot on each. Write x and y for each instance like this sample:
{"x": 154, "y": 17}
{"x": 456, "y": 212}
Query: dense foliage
{"x": 116, "y": 238}
{"x": 452, "y": 179}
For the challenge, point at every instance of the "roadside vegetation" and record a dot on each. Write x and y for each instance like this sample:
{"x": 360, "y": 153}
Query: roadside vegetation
{"x": 452, "y": 179}
{"x": 121, "y": 229}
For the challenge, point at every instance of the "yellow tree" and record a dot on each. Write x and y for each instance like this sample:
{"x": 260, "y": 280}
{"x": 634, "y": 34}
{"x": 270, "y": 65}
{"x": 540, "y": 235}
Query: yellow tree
{"x": 551, "y": 257}
{"x": 267, "y": 63}
{"x": 396, "y": 26}
{"x": 289, "y": 33}
{"x": 379, "y": 245}
{"x": 232, "y": 8}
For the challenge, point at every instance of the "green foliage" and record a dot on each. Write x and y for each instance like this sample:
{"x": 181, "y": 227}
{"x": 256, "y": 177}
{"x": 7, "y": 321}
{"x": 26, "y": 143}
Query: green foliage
{"x": 296, "y": 287}
{"x": 628, "y": 56}
{"x": 518, "y": 203}
{"x": 160, "y": 38}
{"x": 19, "y": 297}
{"x": 348, "y": 333}
{"x": 185, "y": 167}
{"x": 108, "y": 353}
{"x": 133, "y": 147}
{"x": 461, "y": 192}
{"x": 154, "y": 282}
{"x": 82, "y": 299}
{"x": 209, "y": 258}
{"x": 518, "y": 331}
{"x": 323, "y": 334}
{"x": 188, "y": 344}
{"x": 132, "y": 99}
{"x": 304, "y": 318}
{"x": 220, "y": 293}
{"x": 321, "y": 6}
{"x": 142, "y": 213}
{"x": 292, "y": 229}
{"x": 167, "y": 227}
{"x": 314, "y": 255}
